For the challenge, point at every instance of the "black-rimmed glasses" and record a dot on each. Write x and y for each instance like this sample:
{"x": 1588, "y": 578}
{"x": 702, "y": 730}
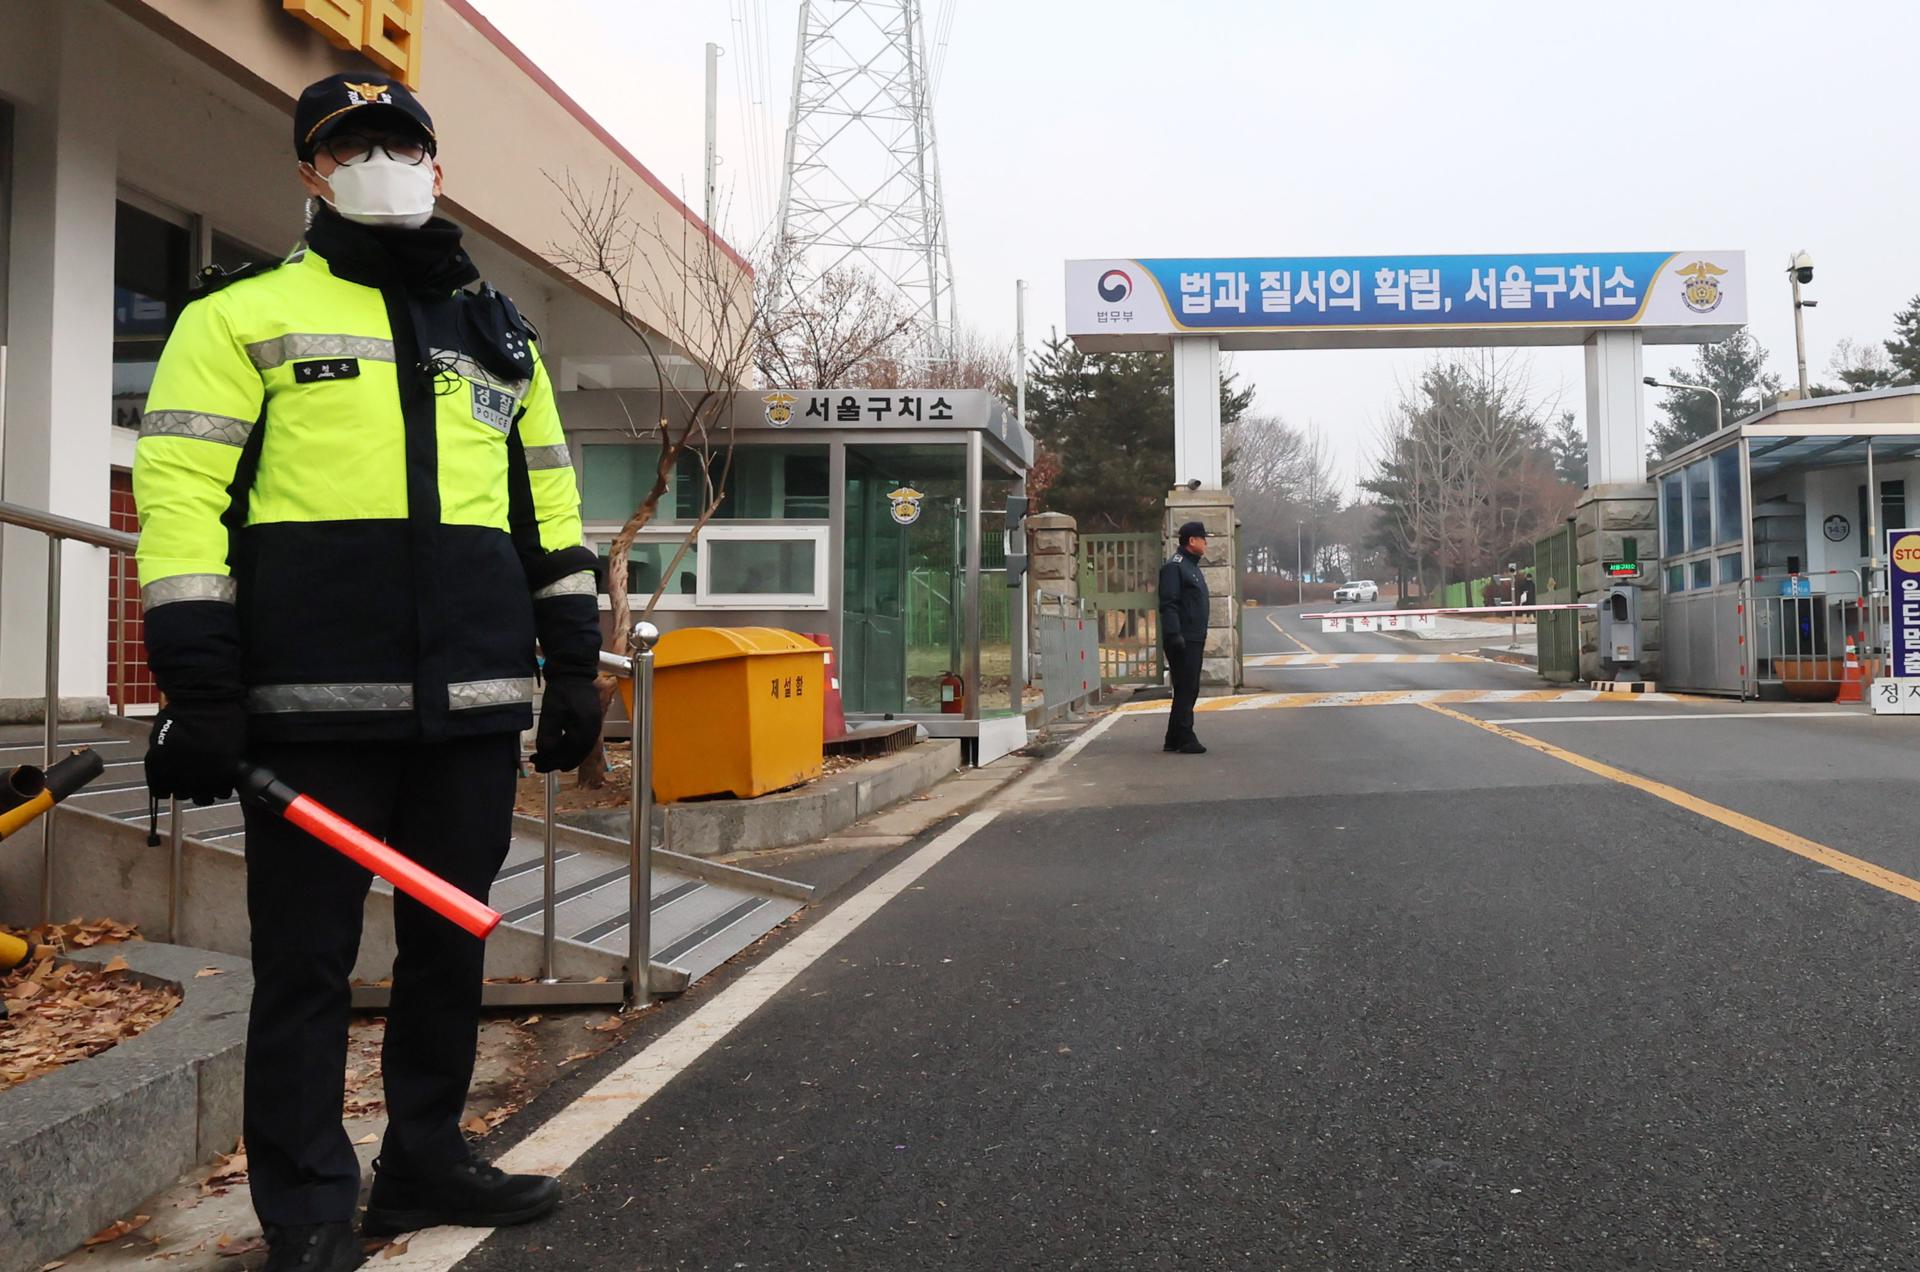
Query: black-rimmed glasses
{"x": 351, "y": 148}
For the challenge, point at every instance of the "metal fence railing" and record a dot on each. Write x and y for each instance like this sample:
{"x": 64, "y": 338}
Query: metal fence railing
{"x": 61, "y": 530}
{"x": 1068, "y": 631}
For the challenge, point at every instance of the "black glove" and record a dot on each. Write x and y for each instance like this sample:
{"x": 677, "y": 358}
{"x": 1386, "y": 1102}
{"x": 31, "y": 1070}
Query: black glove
{"x": 196, "y": 749}
{"x": 570, "y": 714}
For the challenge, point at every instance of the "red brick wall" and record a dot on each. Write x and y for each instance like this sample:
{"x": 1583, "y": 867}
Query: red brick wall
{"x": 128, "y": 680}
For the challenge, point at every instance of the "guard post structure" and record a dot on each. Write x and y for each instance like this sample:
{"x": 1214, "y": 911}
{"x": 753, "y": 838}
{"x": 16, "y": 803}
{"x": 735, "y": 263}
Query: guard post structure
{"x": 1613, "y": 303}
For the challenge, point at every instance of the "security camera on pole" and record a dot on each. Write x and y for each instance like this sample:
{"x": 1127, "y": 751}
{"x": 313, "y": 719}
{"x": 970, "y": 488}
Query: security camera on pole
{"x": 1800, "y": 271}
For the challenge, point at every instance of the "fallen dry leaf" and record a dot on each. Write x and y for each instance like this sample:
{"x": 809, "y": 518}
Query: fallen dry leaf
{"x": 396, "y": 1248}
{"x": 606, "y": 1026}
{"x": 367, "y": 1139}
{"x": 228, "y": 1248}
{"x": 116, "y": 964}
{"x": 209, "y": 971}
{"x": 475, "y": 1125}
{"x": 116, "y": 1230}
{"x": 49, "y": 1267}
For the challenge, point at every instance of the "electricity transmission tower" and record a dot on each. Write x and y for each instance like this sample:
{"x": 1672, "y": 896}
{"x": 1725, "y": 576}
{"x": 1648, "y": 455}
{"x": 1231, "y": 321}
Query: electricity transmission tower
{"x": 861, "y": 186}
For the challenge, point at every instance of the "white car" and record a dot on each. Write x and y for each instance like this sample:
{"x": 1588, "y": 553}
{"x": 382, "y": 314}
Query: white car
{"x": 1358, "y": 590}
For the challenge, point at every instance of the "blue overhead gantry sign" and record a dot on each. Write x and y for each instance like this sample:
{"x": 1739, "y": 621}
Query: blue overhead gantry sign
{"x": 1504, "y": 298}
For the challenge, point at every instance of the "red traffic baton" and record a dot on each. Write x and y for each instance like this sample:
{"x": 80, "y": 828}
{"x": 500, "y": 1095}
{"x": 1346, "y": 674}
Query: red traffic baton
{"x": 336, "y": 832}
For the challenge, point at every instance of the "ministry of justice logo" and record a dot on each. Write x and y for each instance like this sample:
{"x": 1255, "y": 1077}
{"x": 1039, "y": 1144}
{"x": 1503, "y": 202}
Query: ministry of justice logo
{"x": 1115, "y": 286}
{"x": 1702, "y": 290}
{"x": 906, "y": 505}
{"x": 779, "y": 409}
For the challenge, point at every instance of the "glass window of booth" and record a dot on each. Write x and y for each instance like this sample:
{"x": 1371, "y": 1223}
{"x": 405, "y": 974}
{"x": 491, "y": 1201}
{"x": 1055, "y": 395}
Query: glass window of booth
{"x": 764, "y": 483}
{"x": 1672, "y": 516}
{"x": 1726, "y": 496}
{"x": 1699, "y": 506}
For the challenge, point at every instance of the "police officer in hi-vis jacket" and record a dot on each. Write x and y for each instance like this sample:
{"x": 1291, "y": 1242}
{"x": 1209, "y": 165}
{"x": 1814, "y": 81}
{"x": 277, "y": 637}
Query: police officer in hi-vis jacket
{"x": 357, "y": 518}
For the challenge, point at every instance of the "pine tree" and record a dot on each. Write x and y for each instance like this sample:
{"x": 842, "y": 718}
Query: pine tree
{"x": 1904, "y": 349}
{"x": 1567, "y": 445}
{"x": 1737, "y": 368}
{"x": 1106, "y": 421}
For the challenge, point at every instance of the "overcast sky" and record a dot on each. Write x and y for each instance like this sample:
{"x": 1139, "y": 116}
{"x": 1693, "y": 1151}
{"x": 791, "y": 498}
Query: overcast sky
{"x": 1083, "y": 128}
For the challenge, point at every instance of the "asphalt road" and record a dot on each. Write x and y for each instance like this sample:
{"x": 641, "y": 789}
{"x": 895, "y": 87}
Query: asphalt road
{"x": 1281, "y": 631}
{"x": 1368, "y": 987}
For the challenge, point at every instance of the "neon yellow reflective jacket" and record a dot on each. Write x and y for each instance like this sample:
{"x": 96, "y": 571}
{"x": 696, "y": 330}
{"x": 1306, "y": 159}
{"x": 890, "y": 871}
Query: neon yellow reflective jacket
{"x": 355, "y": 510}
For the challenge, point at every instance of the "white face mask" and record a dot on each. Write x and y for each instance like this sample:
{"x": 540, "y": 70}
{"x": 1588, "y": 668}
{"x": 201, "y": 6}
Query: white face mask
{"x": 383, "y": 191}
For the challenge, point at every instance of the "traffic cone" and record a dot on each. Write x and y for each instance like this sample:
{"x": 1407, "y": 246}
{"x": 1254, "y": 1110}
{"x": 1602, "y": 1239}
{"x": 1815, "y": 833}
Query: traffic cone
{"x": 1852, "y": 684}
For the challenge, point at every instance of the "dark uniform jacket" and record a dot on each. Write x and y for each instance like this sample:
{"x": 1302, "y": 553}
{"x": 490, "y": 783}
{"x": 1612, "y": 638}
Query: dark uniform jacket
{"x": 1183, "y": 601}
{"x": 357, "y": 504}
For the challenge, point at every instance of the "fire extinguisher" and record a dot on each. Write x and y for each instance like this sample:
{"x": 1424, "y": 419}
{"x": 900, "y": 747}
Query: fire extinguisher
{"x": 953, "y": 694}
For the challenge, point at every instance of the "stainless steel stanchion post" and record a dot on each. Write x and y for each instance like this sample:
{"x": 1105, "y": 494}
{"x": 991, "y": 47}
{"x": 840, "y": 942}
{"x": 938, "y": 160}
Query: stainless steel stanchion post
{"x": 548, "y": 870}
{"x": 640, "y": 824}
{"x": 51, "y": 749}
{"x": 176, "y": 855}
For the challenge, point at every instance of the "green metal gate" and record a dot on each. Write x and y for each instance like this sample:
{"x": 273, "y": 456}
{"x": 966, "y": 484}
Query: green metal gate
{"x": 1555, "y": 565}
{"x": 1120, "y": 573}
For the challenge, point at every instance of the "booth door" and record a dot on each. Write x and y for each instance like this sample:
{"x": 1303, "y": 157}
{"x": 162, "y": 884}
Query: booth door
{"x": 873, "y": 607}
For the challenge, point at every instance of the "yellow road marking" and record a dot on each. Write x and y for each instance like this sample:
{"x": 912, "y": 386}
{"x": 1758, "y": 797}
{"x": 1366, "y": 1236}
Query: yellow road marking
{"x": 1765, "y": 832}
{"x": 1273, "y": 620}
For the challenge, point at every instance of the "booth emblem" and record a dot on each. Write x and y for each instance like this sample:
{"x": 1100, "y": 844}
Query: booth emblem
{"x": 906, "y": 505}
{"x": 779, "y": 409}
{"x": 1702, "y": 292}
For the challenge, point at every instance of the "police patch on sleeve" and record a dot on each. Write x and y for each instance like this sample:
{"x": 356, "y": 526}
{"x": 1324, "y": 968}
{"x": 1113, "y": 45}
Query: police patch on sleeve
{"x": 493, "y": 407}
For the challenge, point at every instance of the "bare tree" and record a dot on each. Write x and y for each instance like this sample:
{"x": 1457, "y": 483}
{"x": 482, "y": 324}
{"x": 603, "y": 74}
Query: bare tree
{"x": 834, "y": 332}
{"x": 699, "y": 337}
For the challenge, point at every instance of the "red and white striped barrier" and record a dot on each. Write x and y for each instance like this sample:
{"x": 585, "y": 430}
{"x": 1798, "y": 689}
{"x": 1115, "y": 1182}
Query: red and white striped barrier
{"x": 1414, "y": 620}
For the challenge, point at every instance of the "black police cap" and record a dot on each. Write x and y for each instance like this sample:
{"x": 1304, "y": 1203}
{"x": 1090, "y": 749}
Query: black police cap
{"x": 355, "y": 99}
{"x": 1190, "y": 529}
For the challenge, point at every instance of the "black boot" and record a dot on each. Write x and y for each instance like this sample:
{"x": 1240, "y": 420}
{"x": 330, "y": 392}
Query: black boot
{"x": 472, "y": 1194}
{"x": 313, "y": 1247}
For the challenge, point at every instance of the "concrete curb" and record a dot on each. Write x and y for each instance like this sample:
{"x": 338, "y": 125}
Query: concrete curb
{"x": 814, "y": 812}
{"x": 81, "y": 1147}
{"x": 1496, "y": 654}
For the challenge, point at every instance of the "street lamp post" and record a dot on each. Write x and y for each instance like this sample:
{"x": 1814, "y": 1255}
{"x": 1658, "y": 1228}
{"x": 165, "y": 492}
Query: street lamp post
{"x": 1719, "y": 407}
{"x": 1299, "y": 563}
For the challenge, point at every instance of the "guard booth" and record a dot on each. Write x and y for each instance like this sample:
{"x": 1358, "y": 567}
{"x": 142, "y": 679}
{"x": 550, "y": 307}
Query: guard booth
{"x": 1772, "y": 554}
{"x": 873, "y": 516}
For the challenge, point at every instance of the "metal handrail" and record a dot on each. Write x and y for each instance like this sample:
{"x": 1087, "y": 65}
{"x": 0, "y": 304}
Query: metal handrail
{"x": 639, "y": 670}
{"x": 58, "y": 530}
{"x": 52, "y": 523}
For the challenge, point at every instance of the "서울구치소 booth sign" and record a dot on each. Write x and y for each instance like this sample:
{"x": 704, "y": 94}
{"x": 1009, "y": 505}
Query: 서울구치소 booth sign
{"x": 1339, "y": 301}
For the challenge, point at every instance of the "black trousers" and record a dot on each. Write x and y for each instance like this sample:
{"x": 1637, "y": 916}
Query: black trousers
{"x": 1184, "y": 663}
{"x": 447, "y": 805}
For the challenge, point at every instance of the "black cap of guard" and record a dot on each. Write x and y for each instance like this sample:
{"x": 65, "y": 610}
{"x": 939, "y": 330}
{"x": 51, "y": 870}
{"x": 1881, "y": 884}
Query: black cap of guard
{"x": 1190, "y": 529}
{"x": 349, "y": 99}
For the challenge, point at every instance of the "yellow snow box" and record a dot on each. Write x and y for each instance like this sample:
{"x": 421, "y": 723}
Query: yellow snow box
{"x": 736, "y": 711}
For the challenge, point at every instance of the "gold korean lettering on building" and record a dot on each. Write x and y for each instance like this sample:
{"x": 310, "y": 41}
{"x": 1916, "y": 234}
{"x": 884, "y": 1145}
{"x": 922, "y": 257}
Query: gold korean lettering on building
{"x": 386, "y": 32}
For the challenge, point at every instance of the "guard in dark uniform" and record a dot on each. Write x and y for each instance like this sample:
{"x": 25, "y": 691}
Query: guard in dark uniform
{"x": 1183, "y": 630}
{"x": 358, "y": 515}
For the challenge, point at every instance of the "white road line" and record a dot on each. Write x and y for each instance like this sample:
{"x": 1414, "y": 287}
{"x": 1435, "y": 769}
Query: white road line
{"x": 566, "y": 1136}
{"x": 1705, "y": 715}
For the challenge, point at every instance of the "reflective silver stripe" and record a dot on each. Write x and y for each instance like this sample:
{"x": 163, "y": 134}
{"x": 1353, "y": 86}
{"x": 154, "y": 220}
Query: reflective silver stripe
{"x": 468, "y": 694}
{"x": 187, "y": 587}
{"x": 208, "y": 428}
{"x": 542, "y": 457}
{"x": 270, "y": 699}
{"x": 580, "y": 584}
{"x": 461, "y": 364}
{"x": 268, "y": 354}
